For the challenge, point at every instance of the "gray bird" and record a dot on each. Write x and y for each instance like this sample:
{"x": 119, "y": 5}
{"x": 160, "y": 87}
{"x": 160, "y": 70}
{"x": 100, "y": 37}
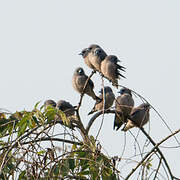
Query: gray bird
{"x": 109, "y": 99}
{"x": 66, "y": 107}
{"x": 49, "y": 102}
{"x": 111, "y": 69}
{"x": 93, "y": 56}
{"x": 139, "y": 117}
{"x": 123, "y": 106}
{"x": 79, "y": 80}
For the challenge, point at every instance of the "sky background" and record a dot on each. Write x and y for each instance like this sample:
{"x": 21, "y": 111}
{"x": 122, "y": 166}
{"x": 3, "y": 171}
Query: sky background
{"x": 39, "y": 46}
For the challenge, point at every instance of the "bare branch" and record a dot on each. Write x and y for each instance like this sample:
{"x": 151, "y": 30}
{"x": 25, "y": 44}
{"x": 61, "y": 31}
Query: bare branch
{"x": 91, "y": 121}
{"x": 52, "y": 139}
{"x": 158, "y": 168}
{"x": 153, "y": 149}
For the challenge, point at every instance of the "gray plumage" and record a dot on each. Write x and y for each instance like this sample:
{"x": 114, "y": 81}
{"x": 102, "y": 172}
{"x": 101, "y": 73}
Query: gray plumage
{"x": 139, "y": 117}
{"x": 79, "y": 80}
{"x": 66, "y": 107}
{"x": 49, "y": 102}
{"x": 109, "y": 99}
{"x": 123, "y": 106}
{"x": 93, "y": 56}
{"x": 111, "y": 69}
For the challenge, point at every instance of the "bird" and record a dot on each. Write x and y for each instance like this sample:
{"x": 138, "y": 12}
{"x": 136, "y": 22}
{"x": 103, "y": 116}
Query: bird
{"x": 49, "y": 102}
{"x": 79, "y": 80}
{"x": 123, "y": 106}
{"x": 109, "y": 99}
{"x": 139, "y": 116}
{"x": 66, "y": 107}
{"x": 110, "y": 69}
{"x": 93, "y": 56}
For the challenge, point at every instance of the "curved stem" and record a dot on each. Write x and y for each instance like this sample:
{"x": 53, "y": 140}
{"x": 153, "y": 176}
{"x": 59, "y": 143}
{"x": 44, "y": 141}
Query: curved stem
{"x": 91, "y": 121}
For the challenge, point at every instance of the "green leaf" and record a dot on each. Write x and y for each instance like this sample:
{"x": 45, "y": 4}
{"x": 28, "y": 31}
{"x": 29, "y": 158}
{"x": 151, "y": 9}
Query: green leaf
{"x": 112, "y": 177}
{"x": 35, "y": 120}
{"x": 56, "y": 170}
{"x": 99, "y": 159}
{"x": 74, "y": 146}
{"x": 94, "y": 171}
{"x": 3, "y": 126}
{"x": 84, "y": 173}
{"x": 22, "y": 175}
{"x": 71, "y": 164}
{"x": 50, "y": 113}
{"x": 41, "y": 152}
{"x": 30, "y": 123}
{"x": 11, "y": 166}
{"x": 63, "y": 117}
{"x": 85, "y": 166}
{"x": 36, "y": 105}
{"x": 10, "y": 129}
{"x": 81, "y": 154}
{"x": 64, "y": 169}
{"x": 149, "y": 165}
{"x": 22, "y": 129}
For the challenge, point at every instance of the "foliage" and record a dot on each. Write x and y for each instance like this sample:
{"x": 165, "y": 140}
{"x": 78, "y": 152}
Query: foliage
{"x": 23, "y": 155}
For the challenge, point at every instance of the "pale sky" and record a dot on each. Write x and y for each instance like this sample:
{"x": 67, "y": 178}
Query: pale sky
{"x": 39, "y": 46}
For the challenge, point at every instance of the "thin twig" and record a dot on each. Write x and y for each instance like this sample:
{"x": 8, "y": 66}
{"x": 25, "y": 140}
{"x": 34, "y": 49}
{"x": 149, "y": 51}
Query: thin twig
{"x": 52, "y": 139}
{"x": 153, "y": 149}
{"x": 159, "y": 151}
{"x": 104, "y": 101}
{"x": 157, "y": 168}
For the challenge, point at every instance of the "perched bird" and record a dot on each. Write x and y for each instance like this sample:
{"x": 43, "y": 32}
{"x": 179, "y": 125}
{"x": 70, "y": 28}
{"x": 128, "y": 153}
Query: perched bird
{"x": 123, "y": 106}
{"x": 111, "y": 70}
{"x": 93, "y": 56}
{"x": 66, "y": 107}
{"x": 109, "y": 99}
{"x": 49, "y": 102}
{"x": 79, "y": 80}
{"x": 139, "y": 117}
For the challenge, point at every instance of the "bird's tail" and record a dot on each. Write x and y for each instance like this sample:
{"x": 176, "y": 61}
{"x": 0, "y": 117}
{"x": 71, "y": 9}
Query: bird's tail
{"x": 91, "y": 112}
{"x": 98, "y": 100}
{"x": 115, "y": 83}
{"x": 119, "y": 74}
{"x": 122, "y": 68}
{"x": 118, "y": 121}
{"x": 128, "y": 125}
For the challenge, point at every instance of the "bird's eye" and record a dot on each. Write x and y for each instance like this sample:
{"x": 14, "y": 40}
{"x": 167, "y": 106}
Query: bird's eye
{"x": 122, "y": 91}
{"x": 97, "y": 51}
{"x": 80, "y": 71}
{"x": 115, "y": 58}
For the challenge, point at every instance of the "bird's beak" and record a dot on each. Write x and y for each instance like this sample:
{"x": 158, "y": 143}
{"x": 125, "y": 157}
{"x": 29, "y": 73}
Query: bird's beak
{"x": 80, "y": 53}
